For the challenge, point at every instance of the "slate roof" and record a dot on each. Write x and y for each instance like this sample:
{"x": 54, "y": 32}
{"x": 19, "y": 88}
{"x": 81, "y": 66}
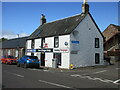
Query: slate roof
{"x": 14, "y": 43}
{"x": 111, "y": 31}
{"x": 59, "y": 27}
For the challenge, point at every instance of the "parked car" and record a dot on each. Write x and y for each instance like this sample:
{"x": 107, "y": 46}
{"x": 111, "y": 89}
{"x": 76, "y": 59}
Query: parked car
{"x": 8, "y": 59}
{"x": 28, "y": 61}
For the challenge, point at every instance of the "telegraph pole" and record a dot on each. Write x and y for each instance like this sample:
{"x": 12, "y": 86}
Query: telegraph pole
{"x": 18, "y": 46}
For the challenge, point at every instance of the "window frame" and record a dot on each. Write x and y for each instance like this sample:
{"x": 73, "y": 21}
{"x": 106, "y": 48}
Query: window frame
{"x": 97, "y": 58}
{"x": 56, "y": 43}
{"x": 97, "y": 45}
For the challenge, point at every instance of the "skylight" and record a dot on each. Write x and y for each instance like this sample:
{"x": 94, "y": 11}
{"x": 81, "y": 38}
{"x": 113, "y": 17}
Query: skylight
{"x": 38, "y": 32}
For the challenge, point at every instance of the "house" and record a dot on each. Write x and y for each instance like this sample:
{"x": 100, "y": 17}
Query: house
{"x": 112, "y": 41}
{"x": 15, "y": 47}
{"x": 75, "y": 40}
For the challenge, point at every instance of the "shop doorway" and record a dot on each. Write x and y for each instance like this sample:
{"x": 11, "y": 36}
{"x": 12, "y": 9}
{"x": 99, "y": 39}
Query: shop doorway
{"x": 58, "y": 57}
{"x": 42, "y": 59}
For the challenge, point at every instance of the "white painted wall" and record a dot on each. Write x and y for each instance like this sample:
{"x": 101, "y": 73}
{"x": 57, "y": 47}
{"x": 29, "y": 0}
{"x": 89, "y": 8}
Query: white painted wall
{"x": 29, "y": 44}
{"x": 62, "y": 40}
{"x": 48, "y": 59}
{"x": 50, "y": 42}
{"x": 37, "y": 43}
{"x": 65, "y": 56}
{"x": 86, "y": 34}
{"x": 65, "y": 60}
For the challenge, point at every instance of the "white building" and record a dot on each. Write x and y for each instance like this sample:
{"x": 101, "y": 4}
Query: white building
{"x": 74, "y": 40}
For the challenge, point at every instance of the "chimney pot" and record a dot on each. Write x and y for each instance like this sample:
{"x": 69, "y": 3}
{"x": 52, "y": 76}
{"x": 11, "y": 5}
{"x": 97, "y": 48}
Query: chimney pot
{"x": 85, "y": 7}
{"x": 43, "y": 19}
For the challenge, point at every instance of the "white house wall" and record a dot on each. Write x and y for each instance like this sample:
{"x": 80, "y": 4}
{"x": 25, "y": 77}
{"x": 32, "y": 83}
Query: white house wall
{"x": 50, "y": 42}
{"x": 65, "y": 56}
{"x": 86, "y": 34}
{"x": 48, "y": 59}
{"x": 37, "y": 43}
{"x": 29, "y": 44}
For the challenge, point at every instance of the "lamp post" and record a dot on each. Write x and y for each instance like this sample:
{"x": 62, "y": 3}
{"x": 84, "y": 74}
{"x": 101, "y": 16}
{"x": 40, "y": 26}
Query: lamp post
{"x": 18, "y": 46}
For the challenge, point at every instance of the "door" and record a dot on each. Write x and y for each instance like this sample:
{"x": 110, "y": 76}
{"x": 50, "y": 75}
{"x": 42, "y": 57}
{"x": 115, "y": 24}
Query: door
{"x": 42, "y": 59}
{"x": 58, "y": 57}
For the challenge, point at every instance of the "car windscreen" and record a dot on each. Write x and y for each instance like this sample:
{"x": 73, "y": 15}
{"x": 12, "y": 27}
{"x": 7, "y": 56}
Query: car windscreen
{"x": 33, "y": 57}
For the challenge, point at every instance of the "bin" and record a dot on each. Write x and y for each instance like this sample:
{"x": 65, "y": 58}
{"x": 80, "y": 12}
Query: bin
{"x": 54, "y": 63}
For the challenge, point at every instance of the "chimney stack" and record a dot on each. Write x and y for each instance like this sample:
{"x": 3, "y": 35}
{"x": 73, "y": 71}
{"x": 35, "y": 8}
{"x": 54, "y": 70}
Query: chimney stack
{"x": 85, "y": 7}
{"x": 43, "y": 19}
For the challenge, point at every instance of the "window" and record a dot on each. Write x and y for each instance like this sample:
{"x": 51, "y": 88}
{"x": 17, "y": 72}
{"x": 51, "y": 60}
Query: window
{"x": 97, "y": 58}
{"x": 96, "y": 42}
{"x": 56, "y": 42}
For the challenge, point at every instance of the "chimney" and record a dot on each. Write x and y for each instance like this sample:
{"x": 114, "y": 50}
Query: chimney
{"x": 43, "y": 19}
{"x": 85, "y": 7}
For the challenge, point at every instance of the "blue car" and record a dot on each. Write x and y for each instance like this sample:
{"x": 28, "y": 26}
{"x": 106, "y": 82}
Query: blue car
{"x": 28, "y": 61}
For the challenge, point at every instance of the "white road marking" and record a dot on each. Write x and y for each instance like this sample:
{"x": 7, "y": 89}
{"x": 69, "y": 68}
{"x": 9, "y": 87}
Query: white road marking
{"x": 34, "y": 69}
{"x": 95, "y": 72}
{"x": 15, "y": 74}
{"x": 116, "y": 82}
{"x": 117, "y": 68}
{"x": 54, "y": 84}
{"x": 100, "y": 72}
{"x": 18, "y": 75}
{"x": 95, "y": 78}
{"x": 46, "y": 70}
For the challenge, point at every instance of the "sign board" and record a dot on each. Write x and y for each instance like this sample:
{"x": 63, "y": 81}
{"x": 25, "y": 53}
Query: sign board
{"x": 76, "y": 42}
{"x": 39, "y": 50}
{"x": 44, "y": 50}
{"x": 30, "y": 50}
{"x": 61, "y": 50}
{"x": 75, "y": 45}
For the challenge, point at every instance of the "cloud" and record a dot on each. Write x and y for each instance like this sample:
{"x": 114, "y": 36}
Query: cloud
{"x": 10, "y": 34}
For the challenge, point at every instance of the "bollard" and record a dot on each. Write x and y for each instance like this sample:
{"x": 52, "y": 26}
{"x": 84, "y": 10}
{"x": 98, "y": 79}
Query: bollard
{"x": 71, "y": 66}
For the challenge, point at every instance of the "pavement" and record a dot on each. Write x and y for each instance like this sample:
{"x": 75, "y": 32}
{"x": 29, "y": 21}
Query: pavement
{"x": 98, "y": 77}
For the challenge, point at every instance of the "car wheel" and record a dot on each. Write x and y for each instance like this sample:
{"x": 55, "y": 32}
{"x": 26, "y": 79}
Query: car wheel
{"x": 18, "y": 65}
{"x": 25, "y": 65}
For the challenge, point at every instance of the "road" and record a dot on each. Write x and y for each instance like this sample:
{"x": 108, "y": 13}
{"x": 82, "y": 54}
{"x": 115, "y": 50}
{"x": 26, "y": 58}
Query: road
{"x": 18, "y": 77}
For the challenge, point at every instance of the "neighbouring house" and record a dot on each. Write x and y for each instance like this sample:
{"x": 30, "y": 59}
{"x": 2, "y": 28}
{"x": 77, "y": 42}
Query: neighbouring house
{"x": 15, "y": 47}
{"x": 75, "y": 40}
{"x": 112, "y": 41}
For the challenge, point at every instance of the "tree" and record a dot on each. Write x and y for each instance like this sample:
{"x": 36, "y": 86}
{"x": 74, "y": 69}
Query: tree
{"x": 3, "y": 39}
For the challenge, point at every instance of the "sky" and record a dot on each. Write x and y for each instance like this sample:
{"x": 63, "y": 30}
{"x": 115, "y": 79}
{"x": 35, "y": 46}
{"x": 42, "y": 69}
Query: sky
{"x": 23, "y": 18}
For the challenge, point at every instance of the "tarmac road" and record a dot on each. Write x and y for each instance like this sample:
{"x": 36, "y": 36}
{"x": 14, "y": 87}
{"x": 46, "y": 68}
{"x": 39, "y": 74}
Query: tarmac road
{"x": 17, "y": 77}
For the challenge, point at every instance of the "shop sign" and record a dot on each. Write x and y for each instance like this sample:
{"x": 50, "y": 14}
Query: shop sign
{"x": 30, "y": 50}
{"x": 39, "y": 50}
{"x": 75, "y": 42}
{"x": 66, "y": 43}
{"x": 75, "y": 45}
{"x": 60, "y": 50}
{"x": 44, "y": 50}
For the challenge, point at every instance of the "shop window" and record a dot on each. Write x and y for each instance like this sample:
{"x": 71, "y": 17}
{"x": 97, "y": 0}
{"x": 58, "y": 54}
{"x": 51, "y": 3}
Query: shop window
{"x": 56, "y": 42}
{"x": 97, "y": 58}
{"x": 96, "y": 42}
